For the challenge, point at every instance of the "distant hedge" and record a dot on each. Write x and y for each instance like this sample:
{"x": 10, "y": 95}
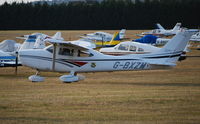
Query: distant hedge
{"x": 110, "y": 14}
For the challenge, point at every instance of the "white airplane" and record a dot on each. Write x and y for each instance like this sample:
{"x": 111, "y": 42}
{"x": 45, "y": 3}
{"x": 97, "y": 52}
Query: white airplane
{"x": 159, "y": 26}
{"x": 164, "y": 32}
{"x": 8, "y": 55}
{"x": 64, "y": 56}
{"x": 36, "y": 40}
{"x": 129, "y": 47}
{"x": 195, "y": 37}
{"x": 103, "y": 36}
{"x": 9, "y": 48}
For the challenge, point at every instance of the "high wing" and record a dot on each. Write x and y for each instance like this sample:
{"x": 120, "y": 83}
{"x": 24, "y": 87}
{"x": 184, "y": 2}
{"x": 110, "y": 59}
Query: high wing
{"x": 66, "y": 44}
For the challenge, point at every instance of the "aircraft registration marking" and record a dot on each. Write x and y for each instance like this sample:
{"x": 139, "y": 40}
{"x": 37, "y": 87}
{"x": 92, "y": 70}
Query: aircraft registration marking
{"x": 130, "y": 65}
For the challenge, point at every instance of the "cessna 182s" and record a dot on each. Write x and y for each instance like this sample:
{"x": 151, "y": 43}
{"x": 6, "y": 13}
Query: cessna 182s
{"x": 63, "y": 56}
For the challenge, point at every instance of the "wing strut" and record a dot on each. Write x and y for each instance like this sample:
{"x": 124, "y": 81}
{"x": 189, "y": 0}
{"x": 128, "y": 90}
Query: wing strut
{"x": 54, "y": 56}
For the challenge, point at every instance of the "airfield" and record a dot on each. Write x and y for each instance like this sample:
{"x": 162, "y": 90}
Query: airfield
{"x": 140, "y": 97}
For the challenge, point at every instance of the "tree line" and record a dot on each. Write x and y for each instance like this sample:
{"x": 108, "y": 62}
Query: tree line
{"x": 109, "y": 14}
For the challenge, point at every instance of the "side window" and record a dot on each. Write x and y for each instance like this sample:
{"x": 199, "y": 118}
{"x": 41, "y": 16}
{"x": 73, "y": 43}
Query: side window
{"x": 84, "y": 54}
{"x": 123, "y": 47}
{"x": 132, "y": 48}
{"x": 50, "y": 49}
{"x": 140, "y": 50}
{"x": 65, "y": 51}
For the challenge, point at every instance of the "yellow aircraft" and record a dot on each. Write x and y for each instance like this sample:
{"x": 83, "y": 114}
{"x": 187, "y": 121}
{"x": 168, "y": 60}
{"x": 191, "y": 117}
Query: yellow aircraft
{"x": 114, "y": 41}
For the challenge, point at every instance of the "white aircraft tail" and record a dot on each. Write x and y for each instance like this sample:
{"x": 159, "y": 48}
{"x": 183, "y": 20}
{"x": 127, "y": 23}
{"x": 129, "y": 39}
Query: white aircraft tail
{"x": 177, "y": 27}
{"x": 29, "y": 42}
{"x": 171, "y": 52}
{"x": 179, "y": 41}
{"x": 122, "y": 33}
{"x": 159, "y": 26}
{"x": 57, "y": 36}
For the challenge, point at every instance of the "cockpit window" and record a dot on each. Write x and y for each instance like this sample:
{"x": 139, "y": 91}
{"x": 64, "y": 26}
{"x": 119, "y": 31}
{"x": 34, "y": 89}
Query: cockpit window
{"x": 84, "y": 54}
{"x": 123, "y": 47}
{"x": 65, "y": 51}
{"x": 132, "y": 48}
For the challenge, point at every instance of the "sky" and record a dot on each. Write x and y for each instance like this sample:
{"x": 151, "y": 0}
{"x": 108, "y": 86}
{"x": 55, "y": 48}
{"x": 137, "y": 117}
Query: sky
{"x": 10, "y": 1}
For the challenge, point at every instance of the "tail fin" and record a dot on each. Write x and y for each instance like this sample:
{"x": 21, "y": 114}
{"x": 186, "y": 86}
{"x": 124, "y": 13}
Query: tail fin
{"x": 159, "y": 26}
{"x": 177, "y": 27}
{"x": 115, "y": 39}
{"x": 122, "y": 33}
{"x": 171, "y": 52}
{"x": 29, "y": 42}
{"x": 57, "y": 36}
{"x": 179, "y": 41}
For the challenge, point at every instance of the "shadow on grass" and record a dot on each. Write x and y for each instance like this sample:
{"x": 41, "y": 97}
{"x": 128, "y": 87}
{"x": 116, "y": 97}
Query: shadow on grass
{"x": 31, "y": 119}
{"x": 155, "y": 84}
{"x": 169, "y": 84}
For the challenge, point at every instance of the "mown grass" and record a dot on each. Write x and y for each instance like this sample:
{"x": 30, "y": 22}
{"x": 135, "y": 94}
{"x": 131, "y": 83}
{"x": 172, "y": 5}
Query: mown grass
{"x": 158, "y": 96}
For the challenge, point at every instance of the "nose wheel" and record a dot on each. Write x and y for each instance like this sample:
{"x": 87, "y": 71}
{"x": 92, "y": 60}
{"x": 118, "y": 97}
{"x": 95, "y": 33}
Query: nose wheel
{"x": 36, "y": 77}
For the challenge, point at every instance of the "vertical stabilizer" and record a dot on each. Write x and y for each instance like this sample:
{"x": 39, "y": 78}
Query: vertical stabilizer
{"x": 159, "y": 26}
{"x": 122, "y": 33}
{"x": 57, "y": 36}
{"x": 115, "y": 39}
{"x": 179, "y": 41}
{"x": 177, "y": 27}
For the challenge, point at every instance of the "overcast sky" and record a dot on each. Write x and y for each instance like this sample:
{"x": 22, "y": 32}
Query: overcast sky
{"x": 10, "y": 1}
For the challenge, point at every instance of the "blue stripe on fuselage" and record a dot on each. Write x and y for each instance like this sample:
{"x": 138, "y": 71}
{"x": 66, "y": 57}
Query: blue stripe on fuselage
{"x": 7, "y": 57}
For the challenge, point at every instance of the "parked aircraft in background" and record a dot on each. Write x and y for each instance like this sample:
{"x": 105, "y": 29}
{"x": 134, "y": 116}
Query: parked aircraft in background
{"x": 129, "y": 47}
{"x": 195, "y": 37}
{"x": 164, "y": 32}
{"x": 151, "y": 39}
{"x": 114, "y": 41}
{"x": 8, "y": 55}
{"x": 64, "y": 56}
{"x": 159, "y": 26}
{"x": 36, "y": 40}
{"x": 9, "y": 48}
{"x": 103, "y": 36}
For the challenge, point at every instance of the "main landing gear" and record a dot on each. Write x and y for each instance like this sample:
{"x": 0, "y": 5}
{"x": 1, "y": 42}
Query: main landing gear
{"x": 72, "y": 77}
{"x": 36, "y": 77}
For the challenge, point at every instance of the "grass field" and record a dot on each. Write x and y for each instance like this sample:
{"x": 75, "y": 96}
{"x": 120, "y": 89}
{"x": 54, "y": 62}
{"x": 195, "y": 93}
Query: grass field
{"x": 139, "y": 97}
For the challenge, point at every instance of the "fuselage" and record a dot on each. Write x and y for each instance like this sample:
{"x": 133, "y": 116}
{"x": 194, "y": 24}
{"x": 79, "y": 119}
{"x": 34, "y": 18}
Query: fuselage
{"x": 90, "y": 61}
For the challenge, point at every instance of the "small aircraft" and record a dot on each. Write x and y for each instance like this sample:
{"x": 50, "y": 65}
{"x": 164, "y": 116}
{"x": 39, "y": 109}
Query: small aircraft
{"x": 195, "y": 37}
{"x": 8, "y": 54}
{"x": 114, "y": 41}
{"x": 164, "y": 32}
{"x": 103, "y": 36}
{"x": 36, "y": 40}
{"x": 151, "y": 39}
{"x": 9, "y": 48}
{"x": 129, "y": 47}
{"x": 63, "y": 56}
